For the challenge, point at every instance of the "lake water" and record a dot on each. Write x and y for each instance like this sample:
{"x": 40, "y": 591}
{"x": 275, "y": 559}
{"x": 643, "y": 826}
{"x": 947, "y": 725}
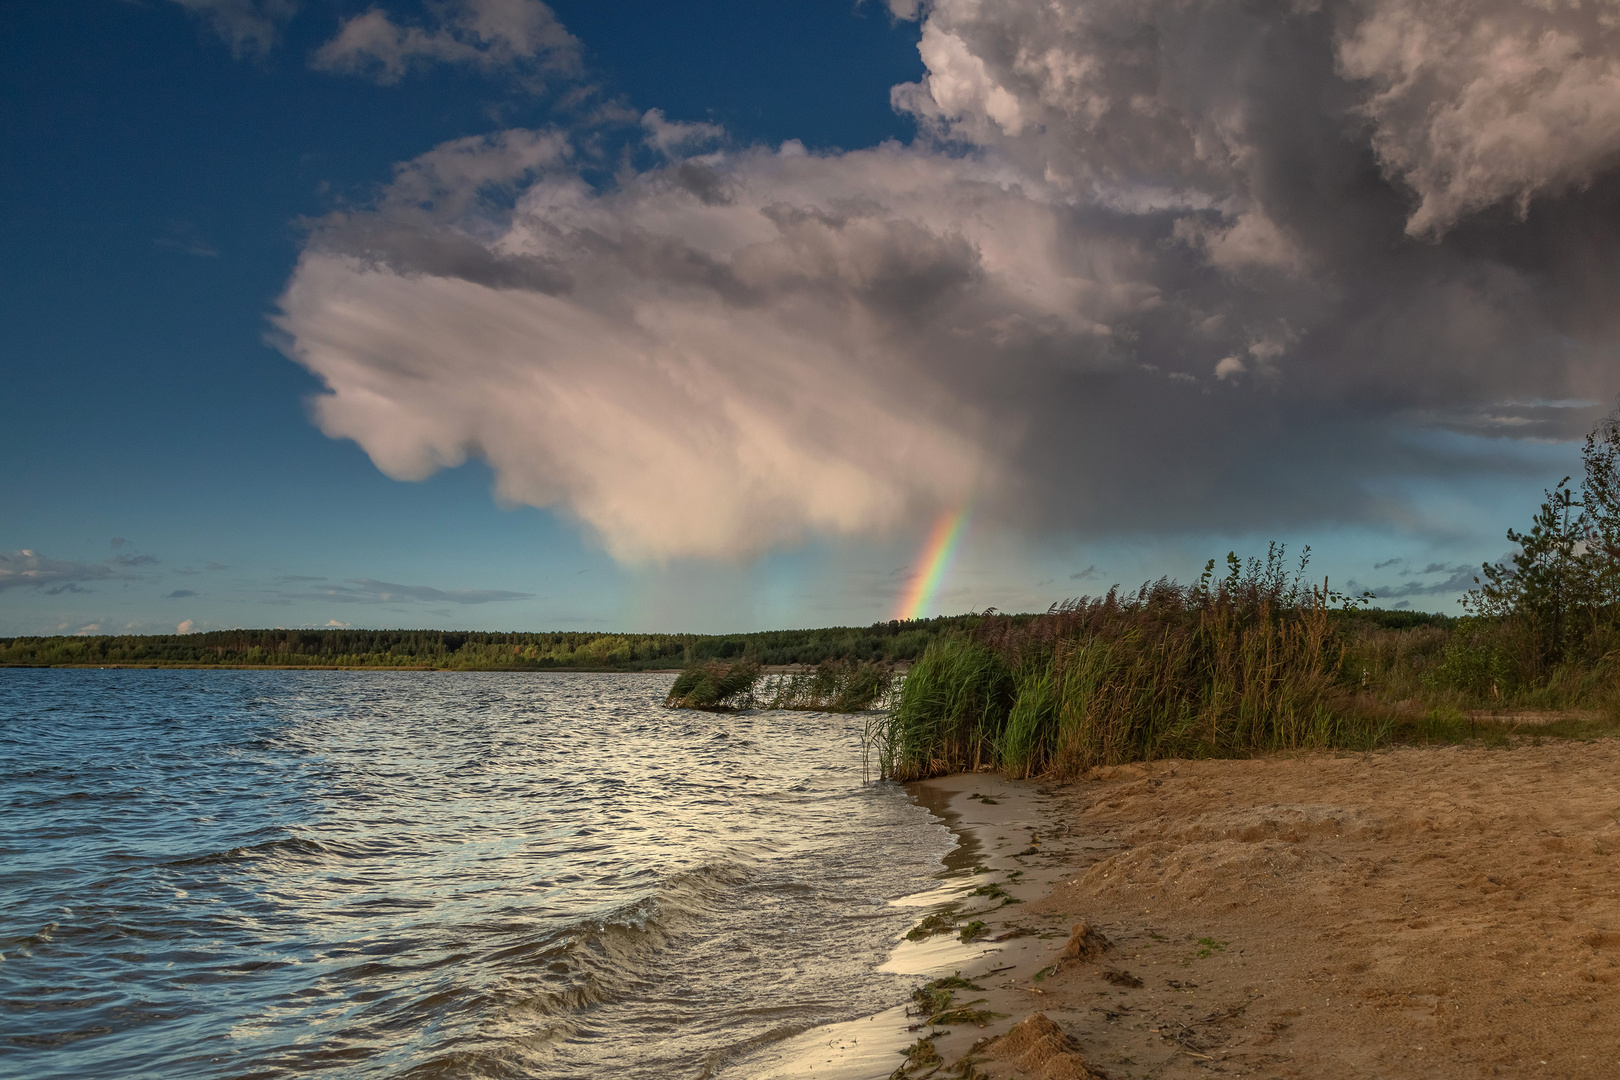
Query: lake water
{"x": 418, "y": 874}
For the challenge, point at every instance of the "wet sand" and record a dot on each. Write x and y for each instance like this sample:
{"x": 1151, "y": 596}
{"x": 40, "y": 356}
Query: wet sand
{"x": 1416, "y": 912}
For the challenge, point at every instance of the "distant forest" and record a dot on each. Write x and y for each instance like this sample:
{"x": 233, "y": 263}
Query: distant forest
{"x": 894, "y": 642}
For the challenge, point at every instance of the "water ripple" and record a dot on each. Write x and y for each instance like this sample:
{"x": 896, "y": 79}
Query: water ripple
{"x": 430, "y": 875}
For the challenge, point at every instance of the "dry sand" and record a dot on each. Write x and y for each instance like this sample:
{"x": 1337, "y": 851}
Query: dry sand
{"x": 1417, "y": 912}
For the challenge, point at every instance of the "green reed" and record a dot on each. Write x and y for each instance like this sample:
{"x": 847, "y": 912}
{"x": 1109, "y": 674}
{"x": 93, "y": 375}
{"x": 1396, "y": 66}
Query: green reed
{"x": 715, "y": 685}
{"x": 1252, "y": 663}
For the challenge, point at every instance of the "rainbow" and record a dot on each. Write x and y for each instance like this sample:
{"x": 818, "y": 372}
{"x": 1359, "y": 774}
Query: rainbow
{"x": 936, "y": 556}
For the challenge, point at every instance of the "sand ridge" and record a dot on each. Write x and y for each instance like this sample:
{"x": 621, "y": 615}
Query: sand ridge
{"x": 1422, "y": 912}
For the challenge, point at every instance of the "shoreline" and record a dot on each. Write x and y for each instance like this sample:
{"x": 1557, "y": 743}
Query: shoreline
{"x": 1412, "y": 912}
{"x": 993, "y": 842}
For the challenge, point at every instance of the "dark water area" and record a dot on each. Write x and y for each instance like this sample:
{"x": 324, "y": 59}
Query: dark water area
{"x": 416, "y": 874}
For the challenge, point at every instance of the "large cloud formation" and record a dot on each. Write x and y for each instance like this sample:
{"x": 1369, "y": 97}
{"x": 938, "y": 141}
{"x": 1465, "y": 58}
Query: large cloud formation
{"x": 1147, "y": 265}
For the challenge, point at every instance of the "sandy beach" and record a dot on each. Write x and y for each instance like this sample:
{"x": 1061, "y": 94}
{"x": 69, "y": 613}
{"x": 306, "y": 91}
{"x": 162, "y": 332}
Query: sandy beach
{"x": 1416, "y": 912}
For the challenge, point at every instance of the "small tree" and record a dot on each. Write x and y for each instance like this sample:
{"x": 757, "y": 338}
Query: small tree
{"x": 1538, "y": 588}
{"x": 1563, "y": 589}
{"x": 1600, "y": 498}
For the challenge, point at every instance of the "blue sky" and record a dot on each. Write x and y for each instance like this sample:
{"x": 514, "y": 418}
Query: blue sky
{"x": 210, "y": 203}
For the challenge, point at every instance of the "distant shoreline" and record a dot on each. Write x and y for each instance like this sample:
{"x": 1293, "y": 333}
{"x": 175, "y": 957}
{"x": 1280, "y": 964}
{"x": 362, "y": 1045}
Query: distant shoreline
{"x": 895, "y": 642}
{"x": 340, "y": 667}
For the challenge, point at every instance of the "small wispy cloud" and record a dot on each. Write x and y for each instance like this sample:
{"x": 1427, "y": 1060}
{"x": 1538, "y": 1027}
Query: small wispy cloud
{"x": 673, "y": 138}
{"x": 520, "y": 36}
{"x": 179, "y": 594}
{"x": 249, "y": 27}
{"x": 1459, "y": 578}
{"x": 184, "y": 237}
{"x": 383, "y": 592}
{"x": 29, "y": 569}
{"x": 372, "y": 591}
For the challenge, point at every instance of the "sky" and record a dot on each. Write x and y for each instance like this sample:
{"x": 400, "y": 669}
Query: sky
{"x": 497, "y": 315}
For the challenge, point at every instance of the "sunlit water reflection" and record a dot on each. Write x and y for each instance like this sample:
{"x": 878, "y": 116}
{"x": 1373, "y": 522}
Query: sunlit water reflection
{"x": 257, "y": 874}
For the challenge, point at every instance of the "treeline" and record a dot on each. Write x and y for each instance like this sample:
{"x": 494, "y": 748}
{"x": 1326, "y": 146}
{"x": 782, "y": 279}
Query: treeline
{"x": 895, "y": 642}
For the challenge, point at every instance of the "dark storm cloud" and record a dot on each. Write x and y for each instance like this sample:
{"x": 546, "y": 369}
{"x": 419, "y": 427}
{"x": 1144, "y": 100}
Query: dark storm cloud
{"x": 1149, "y": 266}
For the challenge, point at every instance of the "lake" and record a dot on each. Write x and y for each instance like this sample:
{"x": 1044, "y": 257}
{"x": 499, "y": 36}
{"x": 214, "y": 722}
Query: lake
{"x": 255, "y": 874}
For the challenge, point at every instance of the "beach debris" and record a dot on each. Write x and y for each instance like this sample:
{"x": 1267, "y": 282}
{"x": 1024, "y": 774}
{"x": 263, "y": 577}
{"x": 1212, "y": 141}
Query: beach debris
{"x": 1039, "y": 1047}
{"x": 942, "y": 922}
{"x": 1086, "y": 943}
{"x": 935, "y": 997}
{"x": 1122, "y": 978}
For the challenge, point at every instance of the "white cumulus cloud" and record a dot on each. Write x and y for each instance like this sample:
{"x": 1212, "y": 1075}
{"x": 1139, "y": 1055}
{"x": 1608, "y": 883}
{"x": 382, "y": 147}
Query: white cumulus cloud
{"x": 700, "y": 363}
{"x": 1113, "y": 210}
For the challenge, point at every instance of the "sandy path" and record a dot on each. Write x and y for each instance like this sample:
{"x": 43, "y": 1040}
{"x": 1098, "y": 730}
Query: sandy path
{"x": 1445, "y": 912}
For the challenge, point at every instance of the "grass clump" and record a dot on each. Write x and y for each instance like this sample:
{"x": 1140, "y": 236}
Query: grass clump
{"x": 715, "y": 685}
{"x": 951, "y": 706}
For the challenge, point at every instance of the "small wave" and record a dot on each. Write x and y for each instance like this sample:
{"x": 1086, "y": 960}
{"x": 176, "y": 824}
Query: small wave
{"x": 283, "y": 848}
{"x": 597, "y": 959}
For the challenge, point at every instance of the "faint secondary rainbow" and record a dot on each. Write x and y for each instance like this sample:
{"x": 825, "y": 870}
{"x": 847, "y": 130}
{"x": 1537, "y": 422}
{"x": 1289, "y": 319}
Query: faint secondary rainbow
{"x": 936, "y": 558}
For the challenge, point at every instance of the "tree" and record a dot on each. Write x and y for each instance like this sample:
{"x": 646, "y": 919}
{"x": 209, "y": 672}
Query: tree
{"x": 1600, "y": 499}
{"x": 1563, "y": 589}
{"x": 1539, "y": 586}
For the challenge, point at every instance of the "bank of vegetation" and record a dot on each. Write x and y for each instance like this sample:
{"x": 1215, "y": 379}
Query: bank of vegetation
{"x": 1262, "y": 658}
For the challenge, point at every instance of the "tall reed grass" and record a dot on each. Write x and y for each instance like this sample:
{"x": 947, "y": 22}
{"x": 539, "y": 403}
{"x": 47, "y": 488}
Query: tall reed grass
{"x": 1252, "y": 662}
